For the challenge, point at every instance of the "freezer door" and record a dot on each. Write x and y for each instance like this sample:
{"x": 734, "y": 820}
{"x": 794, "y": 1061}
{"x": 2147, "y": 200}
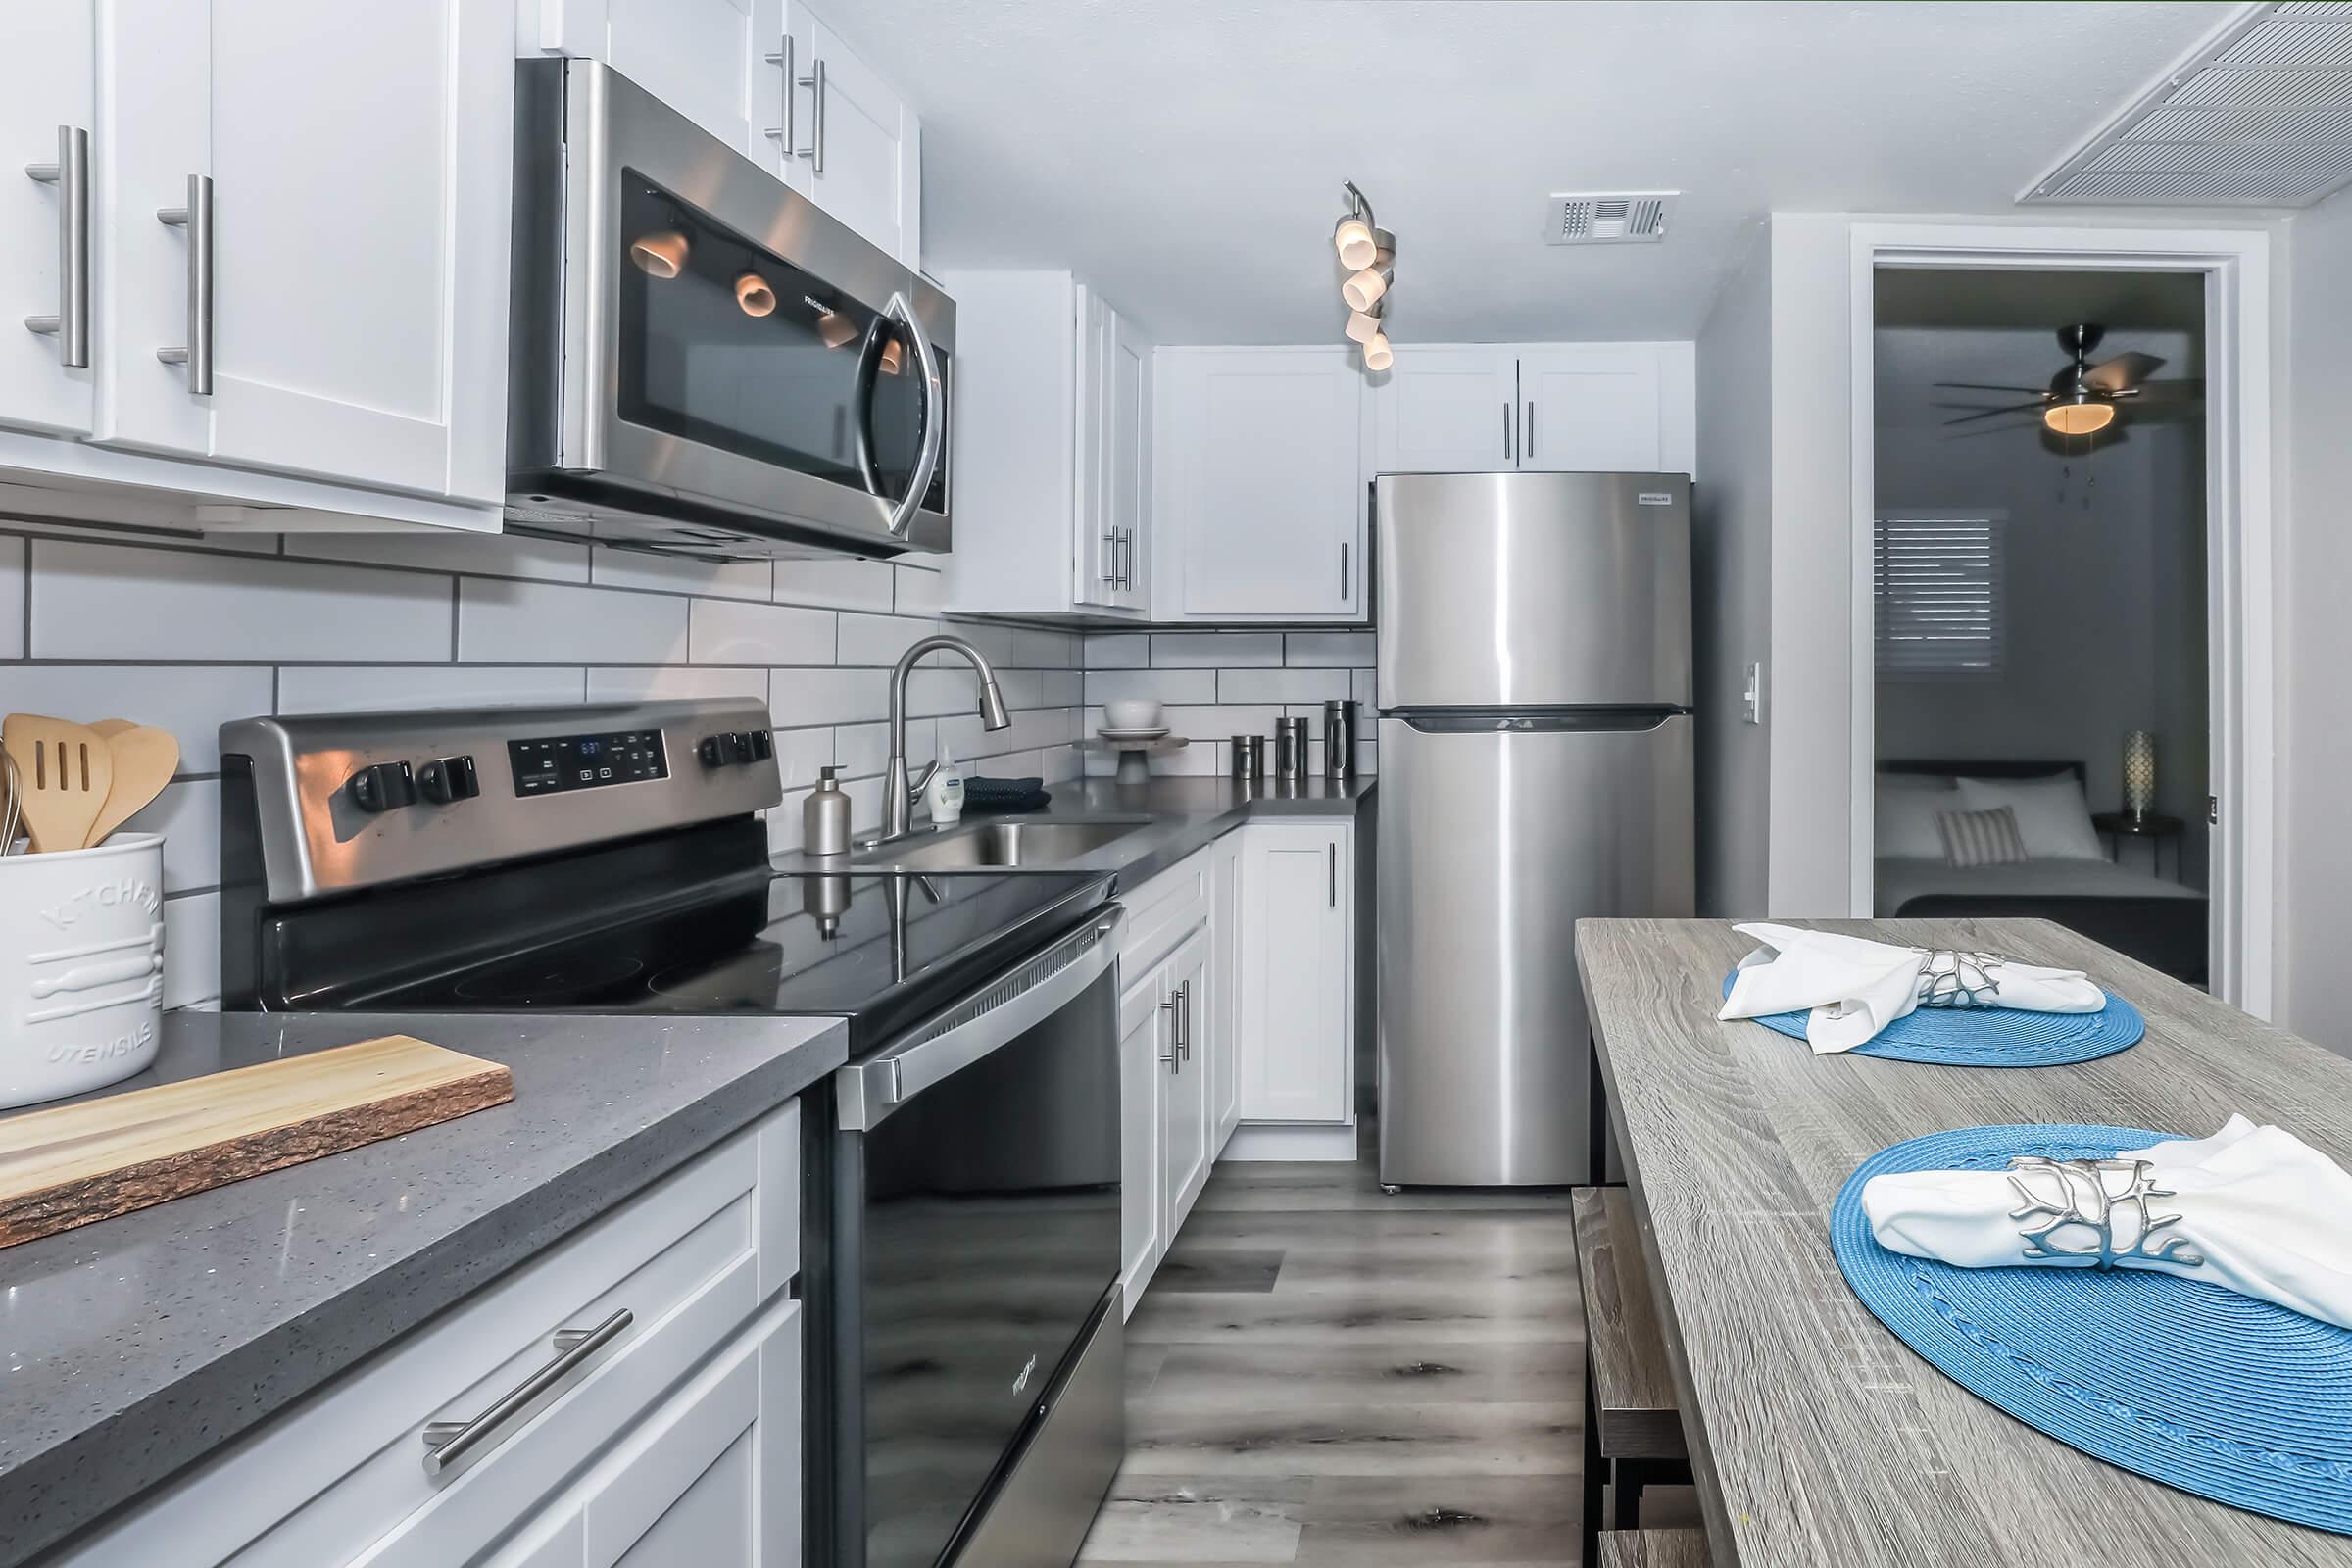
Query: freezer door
{"x": 1534, "y": 590}
{"x": 1496, "y": 836}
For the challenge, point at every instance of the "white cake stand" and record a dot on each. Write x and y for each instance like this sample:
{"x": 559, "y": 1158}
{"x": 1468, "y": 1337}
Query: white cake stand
{"x": 1135, "y": 765}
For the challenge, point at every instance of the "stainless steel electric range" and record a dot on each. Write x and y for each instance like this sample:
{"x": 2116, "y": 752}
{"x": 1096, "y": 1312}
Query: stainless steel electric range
{"x": 964, "y": 1208}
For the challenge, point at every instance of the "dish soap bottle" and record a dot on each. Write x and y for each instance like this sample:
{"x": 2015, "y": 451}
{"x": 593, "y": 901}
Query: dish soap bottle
{"x": 943, "y": 795}
{"x": 825, "y": 816}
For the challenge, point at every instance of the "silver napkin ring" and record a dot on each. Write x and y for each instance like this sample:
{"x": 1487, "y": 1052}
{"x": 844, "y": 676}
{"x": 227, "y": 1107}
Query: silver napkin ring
{"x": 2076, "y": 1208}
{"x": 1957, "y": 977}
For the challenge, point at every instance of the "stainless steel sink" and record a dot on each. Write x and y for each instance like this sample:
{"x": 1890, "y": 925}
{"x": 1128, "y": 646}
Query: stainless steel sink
{"x": 1033, "y": 844}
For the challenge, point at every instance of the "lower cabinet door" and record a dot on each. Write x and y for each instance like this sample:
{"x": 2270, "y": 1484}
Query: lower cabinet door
{"x": 1221, "y": 1016}
{"x": 1297, "y": 981}
{"x": 711, "y": 1477}
{"x": 1184, "y": 1151}
{"x": 1143, "y": 1035}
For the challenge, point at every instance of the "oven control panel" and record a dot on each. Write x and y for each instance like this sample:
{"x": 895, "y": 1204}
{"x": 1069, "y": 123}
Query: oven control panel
{"x": 554, "y": 763}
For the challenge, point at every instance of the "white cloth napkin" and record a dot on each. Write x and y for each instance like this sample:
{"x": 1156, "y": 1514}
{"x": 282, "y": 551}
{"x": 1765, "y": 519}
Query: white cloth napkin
{"x": 1855, "y": 988}
{"x": 2260, "y": 1212}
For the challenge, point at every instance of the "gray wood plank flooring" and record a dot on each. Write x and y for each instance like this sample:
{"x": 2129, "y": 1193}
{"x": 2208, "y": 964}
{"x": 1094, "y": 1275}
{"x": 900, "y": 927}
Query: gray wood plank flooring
{"x": 1323, "y": 1374}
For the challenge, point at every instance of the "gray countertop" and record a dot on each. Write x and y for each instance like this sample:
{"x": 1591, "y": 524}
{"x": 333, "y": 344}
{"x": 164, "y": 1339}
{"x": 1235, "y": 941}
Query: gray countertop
{"x": 139, "y": 1344}
{"x": 1815, "y": 1434}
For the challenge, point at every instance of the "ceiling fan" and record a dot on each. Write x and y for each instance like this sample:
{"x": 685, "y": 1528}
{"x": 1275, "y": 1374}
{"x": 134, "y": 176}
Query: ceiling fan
{"x": 2084, "y": 399}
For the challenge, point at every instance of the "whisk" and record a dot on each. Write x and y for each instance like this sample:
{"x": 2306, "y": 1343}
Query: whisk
{"x": 11, "y": 803}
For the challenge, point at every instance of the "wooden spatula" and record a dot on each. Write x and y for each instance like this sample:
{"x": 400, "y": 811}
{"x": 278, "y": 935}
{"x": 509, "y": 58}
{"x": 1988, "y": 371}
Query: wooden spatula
{"x": 111, "y": 727}
{"x": 145, "y": 759}
{"x": 64, "y": 772}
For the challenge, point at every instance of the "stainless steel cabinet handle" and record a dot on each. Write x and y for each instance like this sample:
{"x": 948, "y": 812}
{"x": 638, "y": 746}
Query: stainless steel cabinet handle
{"x": 1332, "y": 850}
{"x": 70, "y": 174}
{"x": 1528, "y": 446}
{"x": 197, "y": 218}
{"x": 1110, "y": 557}
{"x": 815, "y": 152}
{"x": 449, "y": 1443}
{"x": 1343, "y": 572}
{"x": 1127, "y": 557}
{"x": 935, "y": 399}
{"x": 1183, "y": 1022}
{"x": 788, "y": 133}
{"x": 1506, "y": 431}
{"x": 1167, "y": 1057}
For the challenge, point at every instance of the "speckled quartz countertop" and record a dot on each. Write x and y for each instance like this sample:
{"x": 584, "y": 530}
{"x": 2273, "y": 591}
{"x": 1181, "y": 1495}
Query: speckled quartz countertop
{"x": 134, "y": 1347}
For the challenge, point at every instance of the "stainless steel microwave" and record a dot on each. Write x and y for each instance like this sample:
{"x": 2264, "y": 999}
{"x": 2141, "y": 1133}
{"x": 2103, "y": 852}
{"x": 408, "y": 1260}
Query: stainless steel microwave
{"x": 701, "y": 362}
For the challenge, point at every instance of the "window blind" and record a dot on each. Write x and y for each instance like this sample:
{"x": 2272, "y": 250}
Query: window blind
{"x": 1938, "y": 587}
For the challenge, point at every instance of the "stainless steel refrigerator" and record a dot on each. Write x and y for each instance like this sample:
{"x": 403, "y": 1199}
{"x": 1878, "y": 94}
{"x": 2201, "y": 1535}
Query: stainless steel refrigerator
{"x": 1535, "y": 768}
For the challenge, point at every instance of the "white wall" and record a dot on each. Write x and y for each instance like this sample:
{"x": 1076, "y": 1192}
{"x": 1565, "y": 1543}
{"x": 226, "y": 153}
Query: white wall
{"x": 186, "y": 636}
{"x": 2314, "y": 565}
{"x": 1730, "y": 506}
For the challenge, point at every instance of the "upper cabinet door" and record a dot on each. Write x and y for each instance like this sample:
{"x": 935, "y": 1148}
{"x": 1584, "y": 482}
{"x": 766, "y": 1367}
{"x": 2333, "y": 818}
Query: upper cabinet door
{"x": 1446, "y": 410}
{"x": 703, "y": 58}
{"x": 859, "y": 146}
{"x": 1127, "y": 458}
{"x": 47, "y": 92}
{"x": 1096, "y": 549}
{"x": 354, "y": 234}
{"x": 1260, "y": 484}
{"x": 1591, "y": 405}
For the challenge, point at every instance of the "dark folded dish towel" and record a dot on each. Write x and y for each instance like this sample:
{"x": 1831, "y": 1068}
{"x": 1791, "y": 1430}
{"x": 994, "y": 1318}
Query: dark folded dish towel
{"x": 1005, "y": 795}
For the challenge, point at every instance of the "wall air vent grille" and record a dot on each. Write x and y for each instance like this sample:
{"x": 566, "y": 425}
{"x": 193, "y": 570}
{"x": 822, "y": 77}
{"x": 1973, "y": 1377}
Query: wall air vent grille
{"x": 2259, "y": 115}
{"x": 1589, "y": 218}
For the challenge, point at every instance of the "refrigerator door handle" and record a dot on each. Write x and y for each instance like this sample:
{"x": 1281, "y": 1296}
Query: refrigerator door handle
{"x": 1506, "y": 431}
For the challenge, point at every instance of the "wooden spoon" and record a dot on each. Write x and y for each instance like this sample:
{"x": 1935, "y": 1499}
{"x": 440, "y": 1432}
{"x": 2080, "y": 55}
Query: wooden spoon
{"x": 64, "y": 772}
{"x": 111, "y": 727}
{"x": 145, "y": 759}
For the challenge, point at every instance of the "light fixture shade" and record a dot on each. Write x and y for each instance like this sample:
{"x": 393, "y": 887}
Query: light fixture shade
{"x": 753, "y": 295}
{"x": 2139, "y": 773}
{"x": 1362, "y": 327}
{"x": 1378, "y": 356}
{"x": 2086, "y": 418}
{"x": 660, "y": 254}
{"x": 1353, "y": 239}
{"x": 1363, "y": 289}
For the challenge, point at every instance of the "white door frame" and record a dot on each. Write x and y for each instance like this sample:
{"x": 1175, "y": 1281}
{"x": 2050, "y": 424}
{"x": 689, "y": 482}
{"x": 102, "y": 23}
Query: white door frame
{"x": 2239, "y": 656}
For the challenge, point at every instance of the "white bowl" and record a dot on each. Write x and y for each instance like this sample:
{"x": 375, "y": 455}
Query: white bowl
{"x": 1131, "y": 712}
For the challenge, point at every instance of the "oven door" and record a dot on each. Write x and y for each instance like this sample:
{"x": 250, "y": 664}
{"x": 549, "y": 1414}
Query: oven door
{"x": 730, "y": 353}
{"x": 977, "y": 1232}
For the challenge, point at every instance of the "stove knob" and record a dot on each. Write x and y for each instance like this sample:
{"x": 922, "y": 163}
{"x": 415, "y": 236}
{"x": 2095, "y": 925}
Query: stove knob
{"x": 715, "y": 750}
{"x": 449, "y": 779}
{"x": 384, "y": 787}
{"x": 763, "y": 746}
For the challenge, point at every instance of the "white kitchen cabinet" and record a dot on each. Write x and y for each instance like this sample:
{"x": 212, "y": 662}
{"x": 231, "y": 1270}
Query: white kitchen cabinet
{"x": 1224, "y": 989}
{"x": 698, "y": 1262}
{"x": 1477, "y": 408}
{"x": 1260, "y": 485}
{"x": 859, "y": 155}
{"x": 1053, "y": 420}
{"x": 357, "y": 243}
{"x": 1143, "y": 1042}
{"x": 48, "y": 84}
{"x": 1298, "y": 974}
{"x": 1186, "y": 1150}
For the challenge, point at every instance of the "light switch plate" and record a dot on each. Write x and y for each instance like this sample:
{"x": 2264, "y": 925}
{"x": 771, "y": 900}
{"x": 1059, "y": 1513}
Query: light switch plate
{"x": 1754, "y": 698}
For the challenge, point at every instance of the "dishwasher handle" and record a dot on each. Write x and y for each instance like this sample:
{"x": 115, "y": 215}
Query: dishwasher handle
{"x": 995, "y": 1015}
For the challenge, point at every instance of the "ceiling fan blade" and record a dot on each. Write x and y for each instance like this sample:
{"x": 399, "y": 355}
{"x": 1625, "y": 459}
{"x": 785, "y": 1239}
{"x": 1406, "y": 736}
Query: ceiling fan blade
{"x": 2123, "y": 371}
{"x": 2187, "y": 390}
{"x": 1985, "y": 386}
{"x": 1991, "y": 429}
{"x": 2014, "y": 407}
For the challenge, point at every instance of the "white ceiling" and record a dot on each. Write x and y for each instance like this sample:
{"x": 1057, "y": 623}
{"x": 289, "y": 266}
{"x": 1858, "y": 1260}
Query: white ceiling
{"x": 1185, "y": 155}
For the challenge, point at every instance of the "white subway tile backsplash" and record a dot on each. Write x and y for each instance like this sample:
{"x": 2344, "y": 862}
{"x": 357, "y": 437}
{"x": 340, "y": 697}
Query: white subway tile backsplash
{"x": 93, "y": 600}
{"x": 1216, "y": 650}
{"x": 1327, "y": 649}
{"x": 12, "y": 597}
{"x": 1065, "y": 688}
{"x": 1124, "y": 650}
{"x": 550, "y": 624}
{"x": 798, "y": 697}
{"x": 877, "y": 641}
{"x": 1366, "y": 683}
{"x": 383, "y": 688}
{"x": 191, "y": 950}
{"x": 1159, "y": 685}
{"x": 862, "y": 750}
{"x": 1279, "y": 685}
{"x": 800, "y": 753}
{"x": 662, "y": 682}
{"x": 680, "y": 575}
{"x": 837, "y": 584}
{"x": 483, "y": 555}
{"x": 188, "y": 816}
{"x": 729, "y": 631}
{"x": 191, "y": 701}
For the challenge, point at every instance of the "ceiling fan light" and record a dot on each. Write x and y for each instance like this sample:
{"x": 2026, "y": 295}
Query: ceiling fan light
{"x": 1362, "y": 326}
{"x": 2085, "y": 418}
{"x": 1363, "y": 289}
{"x": 1378, "y": 355}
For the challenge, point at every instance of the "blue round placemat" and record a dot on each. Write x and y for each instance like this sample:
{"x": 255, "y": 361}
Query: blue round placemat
{"x": 2179, "y": 1381}
{"x": 1988, "y": 1036}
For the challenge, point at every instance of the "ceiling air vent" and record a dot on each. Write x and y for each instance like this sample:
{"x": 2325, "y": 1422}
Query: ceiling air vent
{"x": 1591, "y": 219}
{"x": 2259, "y": 115}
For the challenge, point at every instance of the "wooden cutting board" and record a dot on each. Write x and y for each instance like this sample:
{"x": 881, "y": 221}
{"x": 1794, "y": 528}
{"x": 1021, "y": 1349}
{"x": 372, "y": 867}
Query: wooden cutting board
{"x": 78, "y": 1163}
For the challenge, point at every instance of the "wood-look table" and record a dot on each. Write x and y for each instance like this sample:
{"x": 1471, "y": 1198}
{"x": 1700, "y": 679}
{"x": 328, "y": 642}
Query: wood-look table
{"x": 1817, "y": 1436}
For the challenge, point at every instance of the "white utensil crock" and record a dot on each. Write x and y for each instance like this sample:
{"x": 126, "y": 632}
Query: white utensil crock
{"x": 81, "y": 966}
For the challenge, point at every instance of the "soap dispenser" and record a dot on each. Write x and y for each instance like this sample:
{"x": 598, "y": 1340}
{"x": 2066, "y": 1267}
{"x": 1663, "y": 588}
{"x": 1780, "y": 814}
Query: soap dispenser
{"x": 825, "y": 816}
{"x": 942, "y": 792}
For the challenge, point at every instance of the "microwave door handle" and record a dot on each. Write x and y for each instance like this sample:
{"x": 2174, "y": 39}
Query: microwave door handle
{"x": 866, "y": 389}
{"x": 935, "y": 423}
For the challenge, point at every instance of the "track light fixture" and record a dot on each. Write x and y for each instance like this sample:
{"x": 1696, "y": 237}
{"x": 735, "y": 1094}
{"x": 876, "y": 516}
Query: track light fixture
{"x": 1369, "y": 254}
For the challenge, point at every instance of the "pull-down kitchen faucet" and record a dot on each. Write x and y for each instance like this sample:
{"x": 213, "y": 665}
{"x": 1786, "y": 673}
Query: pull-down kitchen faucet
{"x": 898, "y": 795}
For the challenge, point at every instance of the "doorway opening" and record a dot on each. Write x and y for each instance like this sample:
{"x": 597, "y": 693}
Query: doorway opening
{"x": 2040, "y": 713}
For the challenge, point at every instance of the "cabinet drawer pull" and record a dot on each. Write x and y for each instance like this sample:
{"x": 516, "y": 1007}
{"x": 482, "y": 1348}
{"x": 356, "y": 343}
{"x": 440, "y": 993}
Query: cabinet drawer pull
{"x": 1183, "y": 1022}
{"x": 70, "y": 174}
{"x": 197, "y": 218}
{"x": 786, "y": 135}
{"x": 1332, "y": 850}
{"x": 1343, "y": 574}
{"x": 1167, "y": 1057}
{"x": 449, "y": 1445}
